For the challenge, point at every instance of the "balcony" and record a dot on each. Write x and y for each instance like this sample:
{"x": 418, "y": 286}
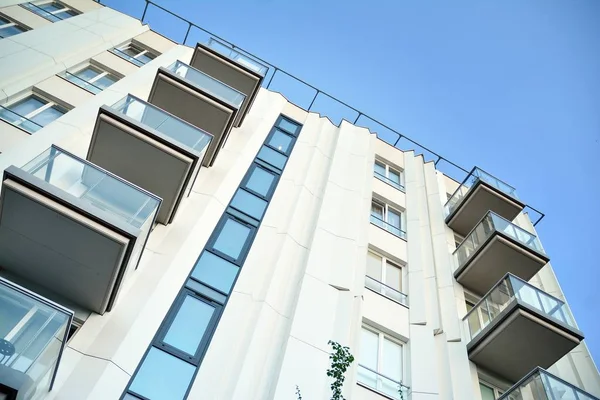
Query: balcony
{"x": 149, "y": 148}
{"x": 477, "y": 194}
{"x": 517, "y": 327}
{"x": 198, "y": 99}
{"x": 33, "y": 333}
{"x": 385, "y": 290}
{"x": 379, "y": 383}
{"x": 72, "y": 227}
{"x": 539, "y": 384}
{"x": 232, "y": 68}
{"x": 492, "y": 249}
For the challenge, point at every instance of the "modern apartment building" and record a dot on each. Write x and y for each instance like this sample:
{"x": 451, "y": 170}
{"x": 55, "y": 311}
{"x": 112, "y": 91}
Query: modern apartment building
{"x": 170, "y": 228}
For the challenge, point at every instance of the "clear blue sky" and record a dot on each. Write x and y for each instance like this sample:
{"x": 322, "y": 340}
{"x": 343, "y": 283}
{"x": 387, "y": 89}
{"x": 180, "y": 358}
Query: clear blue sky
{"x": 512, "y": 86}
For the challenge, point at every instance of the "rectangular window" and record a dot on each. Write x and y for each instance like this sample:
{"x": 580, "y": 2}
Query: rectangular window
{"x": 31, "y": 113}
{"x": 9, "y": 28}
{"x": 231, "y": 238}
{"x": 390, "y": 175}
{"x": 388, "y": 218}
{"x": 489, "y": 392}
{"x": 51, "y": 10}
{"x": 380, "y": 362}
{"x": 134, "y": 54}
{"x": 215, "y": 272}
{"x": 249, "y": 204}
{"x": 91, "y": 78}
{"x": 260, "y": 181}
{"x": 384, "y": 277}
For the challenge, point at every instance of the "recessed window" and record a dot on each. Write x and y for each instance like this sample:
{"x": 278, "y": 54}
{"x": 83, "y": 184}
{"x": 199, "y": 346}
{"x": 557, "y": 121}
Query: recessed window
{"x": 31, "y": 113}
{"x": 91, "y": 78}
{"x": 260, "y": 181}
{"x": 51, "y": 10}
{"x": 249, "y": 204}
{"x": 135, "y": 54}
{"x": 388, "y": 218}
{"x": 390, "y": 175}
{"x": 9, "y": 28}
{"x": 288, "y": 125}
{"x": 280, "y": 141}
{"x": 232, "y": 238}
{"x": 380, "y": 362}
{"x": 385, "y": 277}
{"x": 215, "y": 272}
{"x": 272, "y": 157}
{"x": 489, "y": 392}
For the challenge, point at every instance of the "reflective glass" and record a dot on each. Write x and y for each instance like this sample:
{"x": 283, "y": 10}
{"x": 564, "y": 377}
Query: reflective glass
{"x": 272, "y": 157}
{"x": 260, "y": 181}
{"x": 53, "y": 6}
{"x": 190, "y": 323}
{"x": 394, "y": 176}
{"x": 487, "y": 393}
{"x": 215, "y": 271}
{"x": 374, "y": 266}
{"x": 281, "y": 141}
{"x": 380, "y": 168}
{"x": 232, "y": 238}
{"x": 10, "y": 31}
{"x": 105, "y": 81}
{"x": 65, "y": 14}
{"x": 162, "y": 376}
{"x": 88, "y": 73}
{"x": 27, "y": 105}
{"x": 288, "y": 126}
{"x": 145, "y": 58}
{"x": 249, "y": 204}
{"x": 48, "y": 115}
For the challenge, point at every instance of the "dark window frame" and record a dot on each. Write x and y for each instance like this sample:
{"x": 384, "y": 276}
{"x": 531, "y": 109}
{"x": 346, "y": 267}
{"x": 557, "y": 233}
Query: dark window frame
{"x": 219, "y": 229}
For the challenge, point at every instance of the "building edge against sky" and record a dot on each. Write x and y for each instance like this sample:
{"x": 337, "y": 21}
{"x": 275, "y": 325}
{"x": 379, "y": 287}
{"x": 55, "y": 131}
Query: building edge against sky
{"x": 355, "y": 244}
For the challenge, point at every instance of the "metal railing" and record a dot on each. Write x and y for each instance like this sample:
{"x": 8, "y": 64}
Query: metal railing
{"x": 385, "y": 290}
{"x": 539, "y": 384}
{"x": 394, "y": 230}
{"x": 388, "y": 181}
{"x": 18, "y": 120}
{"x": 127, "y": 57}
{"x": 384, "y": 132}
{"x": 82, "y": 83}
{"x": 381, "y": 383}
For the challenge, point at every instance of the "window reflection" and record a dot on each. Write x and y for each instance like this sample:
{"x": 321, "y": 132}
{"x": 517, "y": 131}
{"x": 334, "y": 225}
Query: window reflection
{"x": 215, "y": 271}
{"x": 232, "y": 238}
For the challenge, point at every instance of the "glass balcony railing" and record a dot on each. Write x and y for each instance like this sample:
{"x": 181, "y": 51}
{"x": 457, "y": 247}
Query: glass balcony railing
{"x": 82, "y": 83}
{"x": 386, "y": 290}
{"x": 33, "y": 333}
{"x": 238, "y": 57}
{"x": 542, "y": 385}
{"x": 381, "y": 383}
{"x": 509, "y": 290}
{"x": 388, "y": 181}
{"x": 471, "y": 179}
{"x": 122, "y": 54}
{"x": 18, "y": 120}
{"x": 394, "y": 230}
{"x": 53, "y": 17}
{"x": 171, "y": 128}
{"x": 97, "y": 187}
{"x": 489, "y": 224}
{"x": 208, "y": 83}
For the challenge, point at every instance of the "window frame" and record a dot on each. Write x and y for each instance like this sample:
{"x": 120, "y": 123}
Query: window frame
{"x": 10, "y": 22}
{"x": 43, "y": 13}
{"x": 497, "y": 391}
{"x": 386, "y": 178}
{"x": 27, "y": 117}
{"x": 102, "y": 73}
{"x": 384, "y": 261}
{"x": 386, "y": 208}
{"x": 141, "y": 50}
{"x": 210, "y": 245}
{"x": 380, "y": 353}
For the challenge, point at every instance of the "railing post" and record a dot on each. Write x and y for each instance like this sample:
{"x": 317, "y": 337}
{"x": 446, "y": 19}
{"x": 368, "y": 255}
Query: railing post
{"x": 270, "y": 80}
{"x": 357, "y": 118}
{"x": 187, "y": 32}
{"x": 313, "y": 100}
{"x": 145, "y": 9}
{"x": 397, "y": 140}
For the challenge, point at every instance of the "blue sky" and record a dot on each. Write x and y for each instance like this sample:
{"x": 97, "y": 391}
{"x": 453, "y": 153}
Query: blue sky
{"x": 512, "y": 86}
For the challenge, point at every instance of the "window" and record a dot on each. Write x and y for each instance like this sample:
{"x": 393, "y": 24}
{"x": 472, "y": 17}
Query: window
{"x": 385, "y": 277}
{"x": 380, "y": 362}
{"x": 489, "y": 392}
{"x": 389, "y": 175}
{"x": 9, "y": 28}
{"x": 91, "y": 78}
{"x": 216, "y": 272}
{"x": 51, "y": 10}
{"x": 387, "y": 218}
{"x": 134, "y": 54}
{"x": 458, "y": 240}
{"x": 31, "y": 113}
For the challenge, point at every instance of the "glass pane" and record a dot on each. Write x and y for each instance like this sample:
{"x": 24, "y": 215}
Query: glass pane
{"x": 260, "y": 181}
{"x": 288, "y": 126}
{"x": 65, "y": 14}
{"x": 232, "y": 238}
{"x": 53, "y": 6}
{"x": 369, "y": 342}
{"x": 88, "y": 73}
{"x": 393, "y": 276}
{"x": 393, "y": 218}
{"x": 272, "y": 157}
{"x": 249, "y": 204}
{"x": 10, "y": 31}
{"x": 145, "y": 58}
{"x": 391, "y": 365}
{"x": 162, "y": 376}
{"x": 131, "y": 51}
{"x": 27, "y": 105}
{"x": 281, "y": 141}
{"x": 105, "y": 81}
{"x": 374, "y": 266}
{"x": 377, "y": 210}
{"x": 215, "y": 271}
{"x": 379, "y": 168}
{"x": 188, "y": 327}
{"x": 48, "y": 115}
{"x": 394, "y": 176}
{"x": 487, "y": 393}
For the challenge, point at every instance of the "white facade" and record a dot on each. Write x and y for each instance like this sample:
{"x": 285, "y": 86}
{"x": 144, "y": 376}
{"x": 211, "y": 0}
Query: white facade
{"x": 303, "y": 282}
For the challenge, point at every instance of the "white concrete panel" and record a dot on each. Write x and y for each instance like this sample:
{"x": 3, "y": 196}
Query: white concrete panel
{"x": 386, "y": 313}
{"x": 389, "y": 153}
{"x": 10, "y": 135}
{"x": 62, "y": 91}
{"x": 82, "y": 5}
{"x": 389, "y": 194}
{"x": 155, "y": 42}
{"x": 423, "y": 360}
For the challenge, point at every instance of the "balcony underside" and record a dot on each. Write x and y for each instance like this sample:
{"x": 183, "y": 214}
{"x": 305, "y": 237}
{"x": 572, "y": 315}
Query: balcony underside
{"x": 59, "y": 247}
{"x": 519, "y": 340}
{"x": 144, "y": 159}
{"x": 192, "y": 104}
{"x": 480, "y": 199}
{"x": 229, "y": 72}
{"x": 496, "y": 257}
